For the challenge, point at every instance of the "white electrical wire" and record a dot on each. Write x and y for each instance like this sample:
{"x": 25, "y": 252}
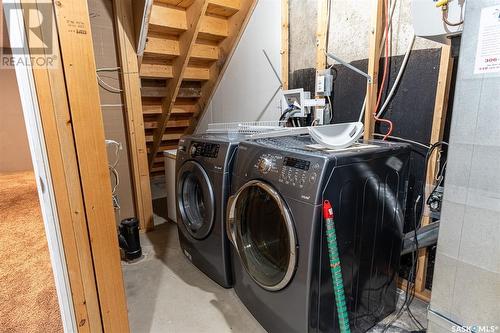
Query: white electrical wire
{"x": 398, "y": 78}
{"x": 103, "y": 84}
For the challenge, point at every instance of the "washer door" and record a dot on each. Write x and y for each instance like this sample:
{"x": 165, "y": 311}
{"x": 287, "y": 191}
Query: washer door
{"x": 261, "y": 229}
{"x": 195, "y": 198}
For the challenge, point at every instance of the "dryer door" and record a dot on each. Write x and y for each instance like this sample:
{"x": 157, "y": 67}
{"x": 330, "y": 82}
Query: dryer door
{"x": 261, "y": 229}
{"x": 195, "y": 198}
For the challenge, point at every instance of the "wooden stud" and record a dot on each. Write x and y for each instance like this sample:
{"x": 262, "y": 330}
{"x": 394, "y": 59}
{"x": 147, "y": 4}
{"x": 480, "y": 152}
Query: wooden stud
{"x": 133, "y": 111}
{"x": 285, "y": 34}
{"x": 237, "y": 24}
{"x": 438, "y": 123}
{"x": 377, "y": 30}
{"x": 321, "y": 34}
{"x": 186, "y": 41}
{"x": 75, "y": 38}
{"x": 65, "y": 178}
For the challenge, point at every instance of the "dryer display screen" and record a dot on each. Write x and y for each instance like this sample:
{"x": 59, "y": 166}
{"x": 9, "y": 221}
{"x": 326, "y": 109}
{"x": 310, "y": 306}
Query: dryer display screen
{"x": 296, "y": 163}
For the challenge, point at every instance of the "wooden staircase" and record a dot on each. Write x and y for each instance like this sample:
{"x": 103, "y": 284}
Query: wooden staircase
{"x": 188, "y": 44}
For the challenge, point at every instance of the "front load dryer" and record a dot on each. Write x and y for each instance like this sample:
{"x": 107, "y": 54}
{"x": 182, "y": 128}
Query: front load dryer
{"x": 275, "y": 224}
{"x": 203, "y": 170}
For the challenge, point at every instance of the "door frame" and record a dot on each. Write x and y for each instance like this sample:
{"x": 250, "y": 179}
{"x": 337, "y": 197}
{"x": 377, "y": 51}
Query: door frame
{"x": 46, "y": 195}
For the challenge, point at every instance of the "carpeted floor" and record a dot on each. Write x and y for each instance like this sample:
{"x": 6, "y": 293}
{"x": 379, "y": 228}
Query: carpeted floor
{"x": 28, "y": 301}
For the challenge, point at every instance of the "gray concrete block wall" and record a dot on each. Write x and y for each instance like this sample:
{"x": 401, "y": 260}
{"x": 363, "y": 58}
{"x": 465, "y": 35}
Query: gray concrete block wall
{"x": 466, "y": 287}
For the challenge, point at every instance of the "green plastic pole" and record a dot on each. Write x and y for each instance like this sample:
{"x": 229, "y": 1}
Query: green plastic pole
{"x": 336, "y": 271}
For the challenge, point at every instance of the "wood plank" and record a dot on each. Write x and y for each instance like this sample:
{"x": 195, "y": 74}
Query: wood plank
{"x": 196, "y": 74}
{"x": 213, "y": 28}
{"x": 166, "y": 137}
{"x": 133, "y": 111}
{"x": 155, "y": 70}
{"x": 223, "y": 7}
{"x": 424, "y": 295}
{"x": 177, "y": 109}
{"x": 237, "y": 22}
{"x": 179, "y": 3}
{"x": 65, "y": 178}
{"x": 376, "y": 33}
{"x": 183, "y": 92}
{"x": 438, "y": 123}
{"x": 186, "y": 41}
{"x": 205, "y": 52}
{"x": 170, "y": 124}
{"x": 285, "y": 34}
{"x": 166, "y": 19}
{"x": 77, "y": 55}
{"x": 321, "y": 34}
{"x": 161, "y": 48}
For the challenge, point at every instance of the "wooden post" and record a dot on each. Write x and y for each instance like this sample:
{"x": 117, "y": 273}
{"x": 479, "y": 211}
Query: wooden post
{"x": 133, "y": 110}
{"x": 77, "y": 55}
{"x": 376, "y": 29}
{"x": 65, "y": 178}
{"x": 321, "y": 34}
{"x": 438, "y": 123}
{"x": 285, "y": 34}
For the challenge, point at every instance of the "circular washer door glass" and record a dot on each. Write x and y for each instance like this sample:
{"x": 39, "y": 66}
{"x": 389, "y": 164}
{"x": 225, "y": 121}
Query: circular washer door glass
{"x": 265, "y": 236}
{"x": 195, "y": 199}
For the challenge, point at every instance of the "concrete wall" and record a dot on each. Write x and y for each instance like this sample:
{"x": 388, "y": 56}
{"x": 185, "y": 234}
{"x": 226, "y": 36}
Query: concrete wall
{"x": 249, "y": 82}
{"x": 466, "y": 288}
{"x": 102, "y": 24}
{"x": 14, "y": 150}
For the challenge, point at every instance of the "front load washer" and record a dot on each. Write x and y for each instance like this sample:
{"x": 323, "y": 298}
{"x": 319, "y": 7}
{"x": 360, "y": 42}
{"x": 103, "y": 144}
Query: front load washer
{"x": 203, "y": 169}
{"x": 275, "y": 224}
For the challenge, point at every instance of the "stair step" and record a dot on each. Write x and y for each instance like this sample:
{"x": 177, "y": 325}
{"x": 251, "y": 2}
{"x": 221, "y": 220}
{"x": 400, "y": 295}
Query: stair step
{"x": 170, "y": 124}
{"x": 178, "y": 109}
{"x": 196, "y": 74}
{"x": 165, "y": 19}
{"x": 161, "y": 48}
{"x": 187, "y": 92}
{"x": 166, "y": 137}
{"x": 223, "y": 7}
{"x": 204, "y": 52}
{"x": 178, "y": 3}
{"x": 152, "y": 70}
{"x": 213, "y": 28}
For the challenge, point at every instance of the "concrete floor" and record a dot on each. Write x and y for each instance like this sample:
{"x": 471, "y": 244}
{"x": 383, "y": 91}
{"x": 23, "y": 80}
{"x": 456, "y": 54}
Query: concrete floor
{"x": 166, "y": 293}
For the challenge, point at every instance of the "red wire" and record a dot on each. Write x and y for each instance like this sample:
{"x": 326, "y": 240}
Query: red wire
{"x": 384, "y": 77}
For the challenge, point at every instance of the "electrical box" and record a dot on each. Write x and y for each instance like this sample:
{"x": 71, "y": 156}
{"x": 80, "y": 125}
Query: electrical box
{"x": 324, "y": 82}
{"x": 429, "y": 21}
{"x": 298, "y": 98}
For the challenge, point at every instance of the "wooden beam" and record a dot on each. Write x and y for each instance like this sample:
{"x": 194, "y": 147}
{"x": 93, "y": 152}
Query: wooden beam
{"x": 77, "y": 54}
{"x": 438, "y": 123}
{"x": 186, "y": 41}
{"x": 236, "y": 24}
{"x": 285, "y": 34}
{"x": 133, "y": 111}
{"x": 321, "y": 34}
{"x": 376, "y": 29}
{"x": 65, "y": 178}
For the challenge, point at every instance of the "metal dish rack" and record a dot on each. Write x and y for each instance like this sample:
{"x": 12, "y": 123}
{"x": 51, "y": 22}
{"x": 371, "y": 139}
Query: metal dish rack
{"x": 246, "y": 127}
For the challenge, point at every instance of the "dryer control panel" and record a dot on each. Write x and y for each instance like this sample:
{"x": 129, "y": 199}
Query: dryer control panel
{"x": 204, "y": 149}
{"x": 288, "y": 170}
